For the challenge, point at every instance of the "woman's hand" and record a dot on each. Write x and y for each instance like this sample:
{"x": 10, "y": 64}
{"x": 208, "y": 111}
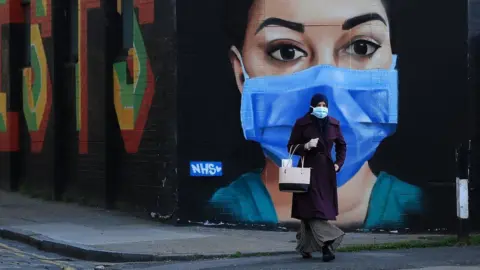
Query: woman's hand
{"x": 311, "y": 144}
{"x": 336, "y": 167}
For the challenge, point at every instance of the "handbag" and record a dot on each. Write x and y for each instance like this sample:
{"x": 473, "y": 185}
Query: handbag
{"x": 293, "y": 179}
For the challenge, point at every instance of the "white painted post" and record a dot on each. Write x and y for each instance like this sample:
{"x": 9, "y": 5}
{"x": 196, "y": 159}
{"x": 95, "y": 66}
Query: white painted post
{"x": 462, "y": 198}
{"x": 463, "y": 155}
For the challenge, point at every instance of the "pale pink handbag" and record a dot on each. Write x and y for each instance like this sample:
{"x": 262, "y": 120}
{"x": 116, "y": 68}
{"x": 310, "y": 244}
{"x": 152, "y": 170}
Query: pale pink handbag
{"x": 293, "y": 179}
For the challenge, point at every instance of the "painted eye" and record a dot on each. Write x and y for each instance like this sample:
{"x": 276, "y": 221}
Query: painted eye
{"x": 362, "y": 48}
{"x": 287, "y": 53}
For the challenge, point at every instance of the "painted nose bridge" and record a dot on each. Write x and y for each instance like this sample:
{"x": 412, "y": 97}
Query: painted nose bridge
{"x": 323, "y": 45}
{"x": 324, "y": 52}
{"x": 324, "y": 56}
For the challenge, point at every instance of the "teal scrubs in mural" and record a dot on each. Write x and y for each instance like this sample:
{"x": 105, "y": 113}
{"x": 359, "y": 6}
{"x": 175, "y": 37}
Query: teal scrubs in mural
{"x": 390, "y": 201}
{"x": 248, "y": 200}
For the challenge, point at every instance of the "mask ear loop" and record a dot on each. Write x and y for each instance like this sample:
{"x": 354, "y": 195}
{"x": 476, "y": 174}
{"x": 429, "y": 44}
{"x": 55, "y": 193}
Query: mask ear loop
{"x": 393, "y": 97}
{"x": 394, "y": 62}
{"x": 239, "y": 56}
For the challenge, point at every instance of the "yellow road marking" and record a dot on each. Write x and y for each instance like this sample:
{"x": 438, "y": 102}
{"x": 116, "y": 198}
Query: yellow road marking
{"x": 64, "y": 267}
{"x": 16, "y": 253}
{"x": 41, "y": 258}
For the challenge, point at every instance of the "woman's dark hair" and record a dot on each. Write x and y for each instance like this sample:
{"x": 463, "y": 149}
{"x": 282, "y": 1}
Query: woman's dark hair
{"x": 237, "y": 20}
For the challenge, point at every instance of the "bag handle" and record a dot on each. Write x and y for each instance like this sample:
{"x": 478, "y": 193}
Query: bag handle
{"x": 290, "y": 154}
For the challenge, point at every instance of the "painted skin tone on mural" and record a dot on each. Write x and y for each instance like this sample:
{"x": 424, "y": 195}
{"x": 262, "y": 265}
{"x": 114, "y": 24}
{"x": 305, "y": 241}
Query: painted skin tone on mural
{"x": 278, "y": 50}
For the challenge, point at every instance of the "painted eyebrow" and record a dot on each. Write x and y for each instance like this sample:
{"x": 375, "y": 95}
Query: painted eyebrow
{"x": 298, "y": 27}
{"x": 357, "y": 20}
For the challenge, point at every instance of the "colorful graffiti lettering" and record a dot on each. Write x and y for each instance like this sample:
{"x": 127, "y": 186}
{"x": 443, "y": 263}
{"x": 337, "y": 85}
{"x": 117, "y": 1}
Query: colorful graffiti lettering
{"x": 81, "y": 74}
{"x": 3, "y": 96}
{"x": 41, "y": 13}
{"x": 10, "y": 12}
{"x": 41, "y": 8}
{"x": 37, "y": 89}
{"x": 3, "y": 112}
{"x": 133, "y": 101}
{"x": 8, "y": 127}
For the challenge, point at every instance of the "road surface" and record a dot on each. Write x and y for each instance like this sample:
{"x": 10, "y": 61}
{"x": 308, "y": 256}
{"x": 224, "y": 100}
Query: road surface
{"x": 15, "y": 255}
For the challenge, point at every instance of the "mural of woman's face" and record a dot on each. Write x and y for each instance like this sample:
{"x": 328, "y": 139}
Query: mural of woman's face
{"x": 285, "y": 36}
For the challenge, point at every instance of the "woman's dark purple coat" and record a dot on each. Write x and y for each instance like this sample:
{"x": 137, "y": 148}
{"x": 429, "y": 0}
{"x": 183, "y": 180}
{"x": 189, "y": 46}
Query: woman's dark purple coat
{"x": 321, "y": 200}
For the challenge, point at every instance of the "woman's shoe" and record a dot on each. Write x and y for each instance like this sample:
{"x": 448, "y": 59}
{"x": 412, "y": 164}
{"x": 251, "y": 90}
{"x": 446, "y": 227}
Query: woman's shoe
{"x": 327, "y": 254}
{"x": 306, "y": 255}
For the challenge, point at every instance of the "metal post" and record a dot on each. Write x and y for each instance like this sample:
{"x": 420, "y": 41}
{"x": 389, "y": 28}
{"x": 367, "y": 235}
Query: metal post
{"x": 463, "y": 175}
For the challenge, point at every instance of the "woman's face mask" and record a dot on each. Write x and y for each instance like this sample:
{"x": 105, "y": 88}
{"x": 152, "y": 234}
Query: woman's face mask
{"x": 364, "y": 101}
{"x": 320, "y": 112}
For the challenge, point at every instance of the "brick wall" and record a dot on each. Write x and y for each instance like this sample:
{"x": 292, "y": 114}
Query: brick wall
{"x": 11, "y": 18}
{"x": 104, "y": 132}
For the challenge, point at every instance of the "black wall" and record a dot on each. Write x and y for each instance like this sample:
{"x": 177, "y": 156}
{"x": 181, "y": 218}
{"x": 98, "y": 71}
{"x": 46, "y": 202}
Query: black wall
{"x": 430, "y": 38}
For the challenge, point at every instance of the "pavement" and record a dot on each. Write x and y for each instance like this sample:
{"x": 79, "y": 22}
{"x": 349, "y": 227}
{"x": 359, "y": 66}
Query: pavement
{"x": 93, "y": 234}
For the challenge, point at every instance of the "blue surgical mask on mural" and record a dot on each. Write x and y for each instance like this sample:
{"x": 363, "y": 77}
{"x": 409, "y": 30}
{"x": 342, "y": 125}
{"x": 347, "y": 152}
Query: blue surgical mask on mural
{"x": 364, "y": 101}
{"x": 320, "y": 112}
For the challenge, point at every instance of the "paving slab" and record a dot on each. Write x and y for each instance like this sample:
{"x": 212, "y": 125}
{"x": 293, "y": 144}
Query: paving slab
{"x": 111, "y": 236}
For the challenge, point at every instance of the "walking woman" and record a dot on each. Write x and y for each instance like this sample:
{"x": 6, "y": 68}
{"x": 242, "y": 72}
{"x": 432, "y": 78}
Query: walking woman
{"x": 318, "y": 132}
